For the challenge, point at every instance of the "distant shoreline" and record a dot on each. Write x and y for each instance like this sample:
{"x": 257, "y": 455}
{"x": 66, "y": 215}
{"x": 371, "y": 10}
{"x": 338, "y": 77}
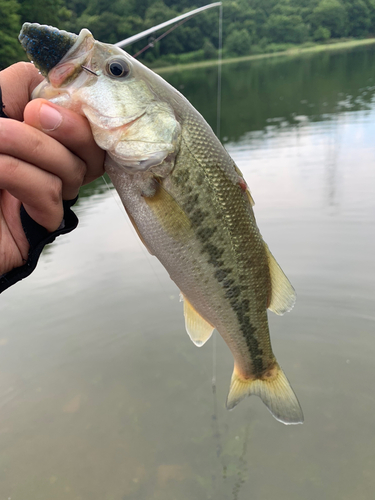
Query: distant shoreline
{"x": 290, "y": 52}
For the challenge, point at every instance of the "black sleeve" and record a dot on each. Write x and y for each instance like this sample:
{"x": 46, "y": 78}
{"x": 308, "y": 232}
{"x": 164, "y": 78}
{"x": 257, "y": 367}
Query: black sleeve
{"x": 36, "y": 235}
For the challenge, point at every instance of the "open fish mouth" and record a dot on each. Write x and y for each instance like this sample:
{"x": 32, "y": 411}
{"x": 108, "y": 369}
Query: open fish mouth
{"x": 45, "y": 45}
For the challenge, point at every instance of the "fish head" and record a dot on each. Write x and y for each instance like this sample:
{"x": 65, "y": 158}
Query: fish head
{"x": 116, "y": 93}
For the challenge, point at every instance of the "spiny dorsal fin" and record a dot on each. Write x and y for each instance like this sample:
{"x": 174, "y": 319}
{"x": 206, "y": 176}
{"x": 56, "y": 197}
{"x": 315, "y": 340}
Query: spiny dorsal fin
{"x": 244, "y": 185}
{"x": 283, "y": 296}
{"x": 275, "y": 392}
{"x": 198, "y": 328}
{"x": 250, "y": 198}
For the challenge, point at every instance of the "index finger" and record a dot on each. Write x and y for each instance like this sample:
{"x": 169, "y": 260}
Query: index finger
{"x": 71, "y": 130}
{"x": 17, "y": 82}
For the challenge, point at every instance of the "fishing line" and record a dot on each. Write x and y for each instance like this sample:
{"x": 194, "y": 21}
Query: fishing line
{"x": 218, "y": 111}
{"x": 114, "y": 197}
{"x": 242, "y": 466}
{"x": 215, "y": 417}
{"x": 151, "y": 44}
{"x": 214, "y": 359}
{"x": 219, "y": 64}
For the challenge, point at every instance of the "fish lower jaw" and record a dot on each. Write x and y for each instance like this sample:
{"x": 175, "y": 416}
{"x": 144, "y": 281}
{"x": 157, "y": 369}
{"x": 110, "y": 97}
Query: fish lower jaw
{"x": 134, "y": 164}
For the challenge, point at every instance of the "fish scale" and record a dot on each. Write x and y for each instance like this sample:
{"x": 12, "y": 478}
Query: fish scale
{"x": 186, "y": 199}
{"x": 240, "y": 238}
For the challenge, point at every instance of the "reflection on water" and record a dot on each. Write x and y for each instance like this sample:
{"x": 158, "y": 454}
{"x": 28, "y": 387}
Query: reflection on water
{"x": 103, "y": 395}
{"x": 272, "y": 93}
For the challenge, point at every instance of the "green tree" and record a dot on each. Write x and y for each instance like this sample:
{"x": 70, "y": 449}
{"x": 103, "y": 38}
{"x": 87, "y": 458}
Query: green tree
{"x": 321, "y": 34}
{"x": 238, "y": 42}
{"x": 371, "y": 7}
{"x": 209, "y": 50}
{"x": 10, "y": 49}
{"x": 245, "y": 22}
{"x": 105, "y": 27}
{"x": 331, "y": 14}
{"x": 358, "y": 17}
{"x": 51, "y": 12}
{"x": 157, "y": 13}
{"x": 76, "y": 6}
{"x": 286, "y": 29}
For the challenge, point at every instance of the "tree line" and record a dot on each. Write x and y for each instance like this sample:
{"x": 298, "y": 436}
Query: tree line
{"x": 249, "y": 26}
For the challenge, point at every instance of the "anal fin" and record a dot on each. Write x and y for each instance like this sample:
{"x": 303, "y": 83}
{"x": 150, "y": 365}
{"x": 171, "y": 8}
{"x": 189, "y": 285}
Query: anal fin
{"x": 283, "y": 295}
{"x": 273, "y": 389}
{"x": 198, "y": 328}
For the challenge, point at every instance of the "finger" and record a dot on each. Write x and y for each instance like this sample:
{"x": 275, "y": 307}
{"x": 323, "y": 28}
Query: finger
{"x": 11, "y": 231}
{"x": 17, "y": 82}
{"x": 71, "y": 130}
{"x": 38, "y": 190}
{"x": 32, "y": 146}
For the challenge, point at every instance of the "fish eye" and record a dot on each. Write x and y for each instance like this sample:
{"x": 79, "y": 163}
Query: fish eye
{"x": 118, "y": 68}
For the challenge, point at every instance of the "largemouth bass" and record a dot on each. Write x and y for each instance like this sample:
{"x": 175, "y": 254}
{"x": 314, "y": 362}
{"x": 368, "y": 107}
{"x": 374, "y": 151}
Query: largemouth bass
{"x": 186, "y": 198}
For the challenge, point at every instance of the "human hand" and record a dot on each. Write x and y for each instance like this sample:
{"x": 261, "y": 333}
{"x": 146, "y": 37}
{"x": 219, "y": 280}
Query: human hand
{"x": 43, "y": 161}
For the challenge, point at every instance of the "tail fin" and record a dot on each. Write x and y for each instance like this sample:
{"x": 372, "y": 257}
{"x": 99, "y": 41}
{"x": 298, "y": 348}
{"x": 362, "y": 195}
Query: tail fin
{"x": 275, "y": 392}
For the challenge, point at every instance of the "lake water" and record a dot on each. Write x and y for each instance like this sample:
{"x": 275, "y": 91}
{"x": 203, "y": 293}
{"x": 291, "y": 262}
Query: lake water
{"x": 102, "y": 394}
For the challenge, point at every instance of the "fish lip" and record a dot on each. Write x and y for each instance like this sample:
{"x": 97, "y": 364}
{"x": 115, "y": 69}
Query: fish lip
{"x": 98, "y": 121}
{"x": 131, "y": 122}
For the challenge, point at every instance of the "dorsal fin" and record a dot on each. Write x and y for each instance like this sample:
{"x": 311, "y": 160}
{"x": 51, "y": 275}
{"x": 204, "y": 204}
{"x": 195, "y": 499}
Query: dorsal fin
{"x": 244, "y": 185}
{"x": 283, "y": 296}
{"x": 250, "y": 198}
{"x": 198, "y": 328}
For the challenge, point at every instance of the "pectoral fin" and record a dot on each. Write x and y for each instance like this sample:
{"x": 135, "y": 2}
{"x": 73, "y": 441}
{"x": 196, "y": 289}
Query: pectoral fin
{"x": 168, "y": 212}
{"x": 198, "y": 328}
{"x": 283, "y": 296}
